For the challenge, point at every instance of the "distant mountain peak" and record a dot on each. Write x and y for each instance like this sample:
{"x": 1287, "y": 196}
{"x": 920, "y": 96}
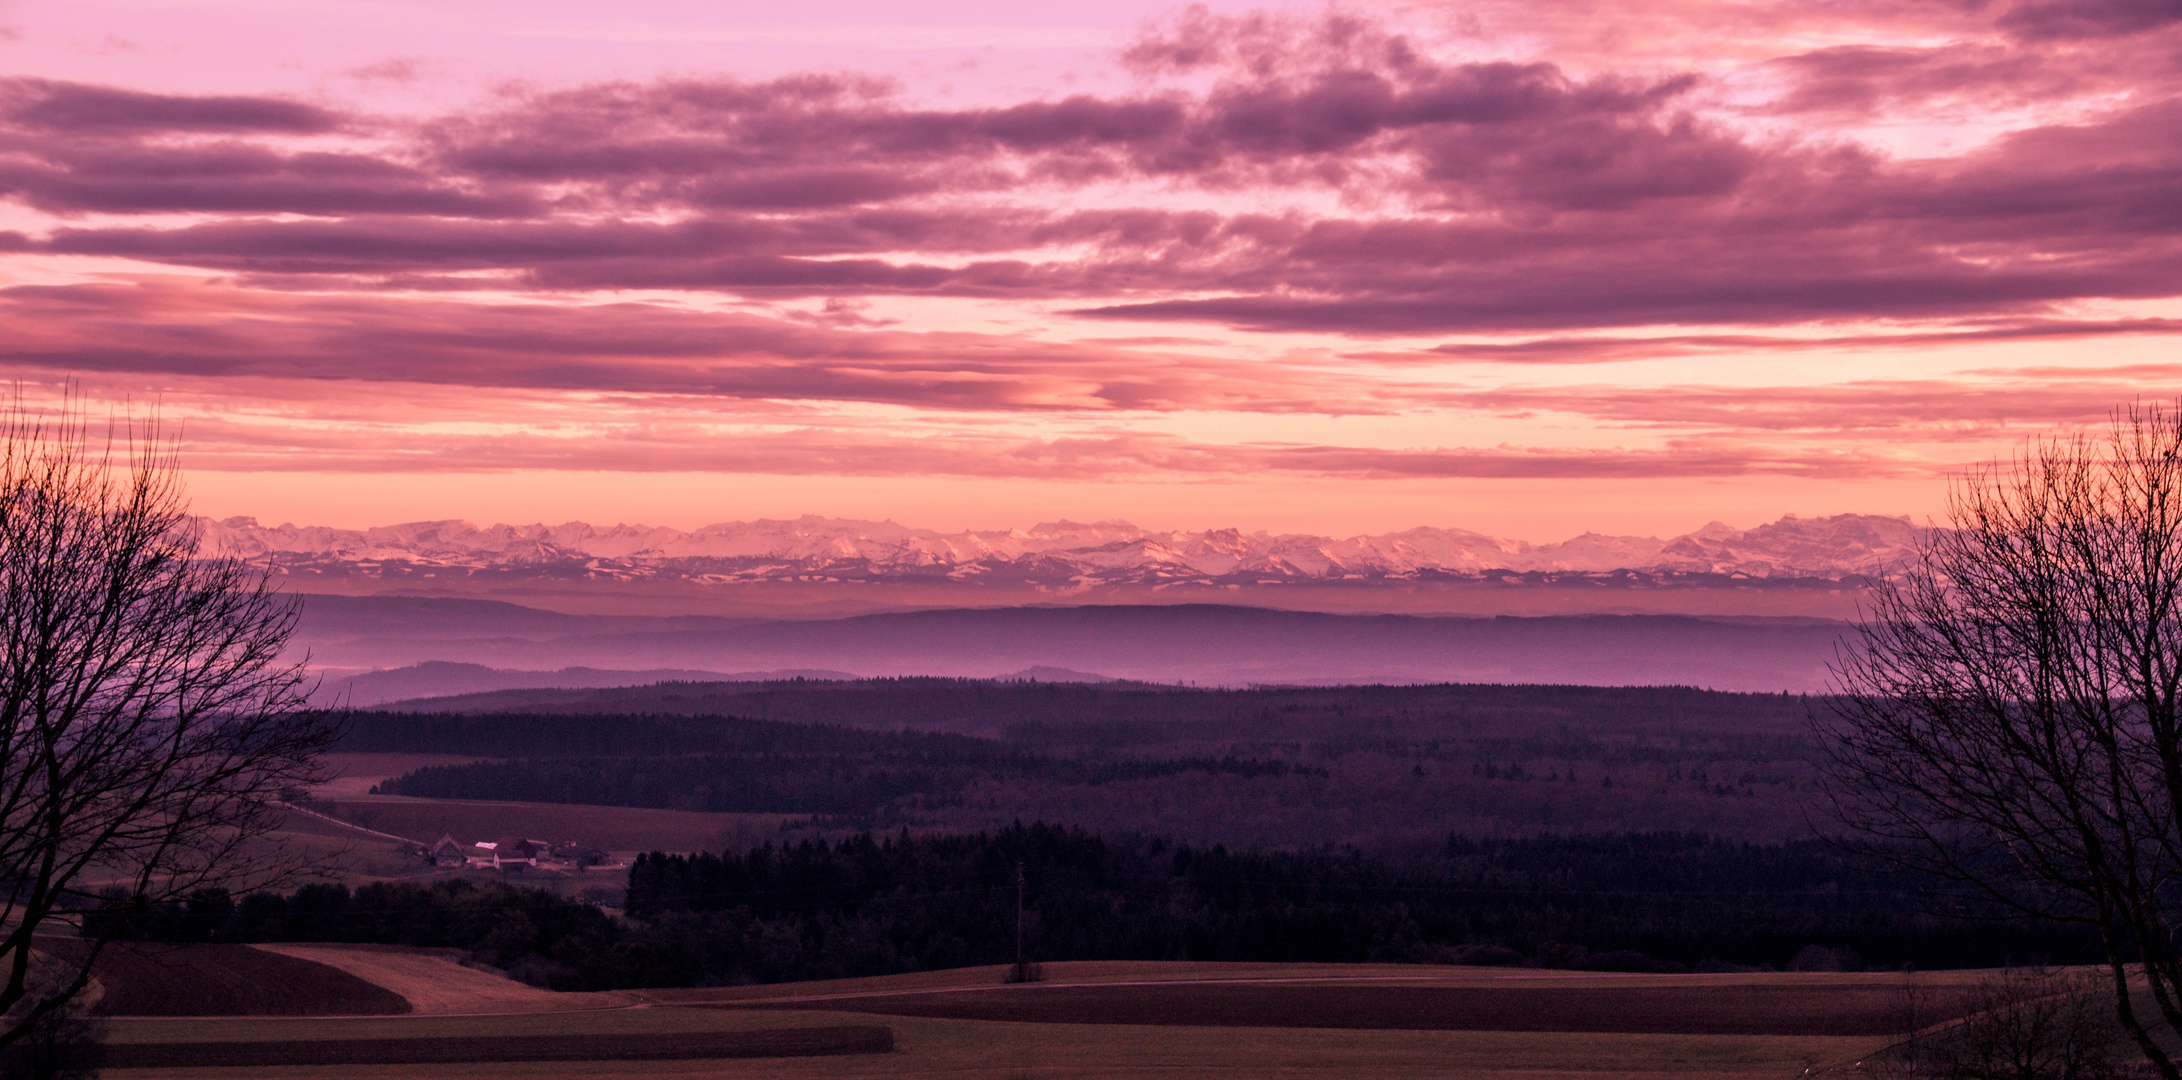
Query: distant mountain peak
{"x": 1058, "y": 556}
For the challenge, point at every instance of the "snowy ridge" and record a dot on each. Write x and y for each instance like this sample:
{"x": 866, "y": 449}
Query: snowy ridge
{"x": 1058, "y": 554}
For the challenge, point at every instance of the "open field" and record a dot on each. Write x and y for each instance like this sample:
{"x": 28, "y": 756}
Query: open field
{"x": 1383, "y": 997}
{"x": 1662, "y": 1010}
{"x": 436, "y": 984}
{"x": 470, "y": 1049}
{"x": 611, "y": 828}
{"x": 700, "y": 1029}
{"x": 1001, "y": 1051}
{"x": 354, "y": 774}
{"x": 383, "y": 1046}
{"x": 153, "y": 979}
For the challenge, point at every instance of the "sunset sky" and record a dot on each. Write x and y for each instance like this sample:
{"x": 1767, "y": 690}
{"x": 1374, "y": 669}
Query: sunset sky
{"x": 1528, "y": 268}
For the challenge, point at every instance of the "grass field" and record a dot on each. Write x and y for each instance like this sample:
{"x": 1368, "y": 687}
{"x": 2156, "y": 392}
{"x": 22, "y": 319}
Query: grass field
{"x": 1660, "y": 1010}
{"x": 354, "y": 774}
{"x": 151, "y": 979}
{"x": 354, "y": 854}
{"x": 611, "y": 828}
{"x": 1285, "y": 1041}
{"x": 470, "y": 1049}
{"x": 436, "y": 984}
{"x": 1005, "y": 1051}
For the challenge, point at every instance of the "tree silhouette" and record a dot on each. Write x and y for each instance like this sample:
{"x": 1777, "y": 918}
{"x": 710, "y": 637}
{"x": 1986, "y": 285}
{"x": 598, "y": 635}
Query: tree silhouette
{"x": 148, "y": 719}
{"x": 2011, "y": 717}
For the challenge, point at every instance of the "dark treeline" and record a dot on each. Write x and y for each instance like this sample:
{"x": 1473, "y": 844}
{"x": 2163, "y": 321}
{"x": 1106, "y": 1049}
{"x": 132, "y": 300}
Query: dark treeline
{"x": 535, "y": 935}
{"x": 869, "y": 906}
{"x": 1529, "y": 720}
{"x": 1636, "y": 902}
{"x": 845, "y": 786}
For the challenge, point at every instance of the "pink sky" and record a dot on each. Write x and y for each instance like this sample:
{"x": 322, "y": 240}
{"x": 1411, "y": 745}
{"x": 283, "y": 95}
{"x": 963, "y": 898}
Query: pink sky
{"x": 1527, "y": 268}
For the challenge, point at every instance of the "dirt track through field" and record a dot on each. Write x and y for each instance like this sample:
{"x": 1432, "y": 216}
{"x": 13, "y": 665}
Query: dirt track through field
{"x": 1658, "y": 1009}
{"x": 151, "y": 979}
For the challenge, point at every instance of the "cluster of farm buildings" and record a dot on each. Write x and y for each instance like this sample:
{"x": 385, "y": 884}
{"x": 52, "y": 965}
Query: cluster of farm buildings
{"x": 511, "y": 853}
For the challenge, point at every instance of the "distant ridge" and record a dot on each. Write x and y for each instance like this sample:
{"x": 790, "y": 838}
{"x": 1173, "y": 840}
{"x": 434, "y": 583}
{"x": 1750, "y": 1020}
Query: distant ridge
{"x": 492, "y": 646}
{"x": 441, "y": 678}
{"x": 1059, "y": 558}
{"x": 1049, "y": 673}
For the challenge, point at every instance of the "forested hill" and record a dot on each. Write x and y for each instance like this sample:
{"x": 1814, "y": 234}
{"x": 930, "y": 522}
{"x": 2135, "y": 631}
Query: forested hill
{"x": 1209, "y": 644}
{"x": 1025, "y": 710}
{"x": 1275, "y": 767}
{"x": 552, "y": 735}
{"x": 857, "y": 789}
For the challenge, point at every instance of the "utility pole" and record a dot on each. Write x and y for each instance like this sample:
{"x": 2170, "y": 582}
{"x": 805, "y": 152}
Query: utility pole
{"x": 1019, "y": 920}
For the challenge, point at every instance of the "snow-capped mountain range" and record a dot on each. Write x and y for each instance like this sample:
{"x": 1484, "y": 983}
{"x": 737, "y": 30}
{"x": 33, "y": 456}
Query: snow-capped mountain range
{"x": 1058, "y": 556}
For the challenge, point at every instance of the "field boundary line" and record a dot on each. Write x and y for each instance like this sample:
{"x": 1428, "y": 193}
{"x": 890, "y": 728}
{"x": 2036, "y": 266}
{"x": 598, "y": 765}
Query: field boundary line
{"x": 344, "y": 824}
{"x": 1033, "y": 987}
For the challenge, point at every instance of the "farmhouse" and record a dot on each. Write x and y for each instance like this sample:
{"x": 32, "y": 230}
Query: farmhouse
{"x": 446, "y": 853}
{"x": 507, "y": 852}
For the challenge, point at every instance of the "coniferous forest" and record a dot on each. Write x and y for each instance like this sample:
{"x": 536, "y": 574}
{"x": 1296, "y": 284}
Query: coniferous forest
{"x": 870, "y": 905}
{"x": 1645, "y": 829}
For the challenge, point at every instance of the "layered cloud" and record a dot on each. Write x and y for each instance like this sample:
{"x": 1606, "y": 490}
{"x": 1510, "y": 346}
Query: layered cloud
{"x": 1271, "y": 216}
{"x": 182, "y": 328}
{"x": 1486, "y": 195}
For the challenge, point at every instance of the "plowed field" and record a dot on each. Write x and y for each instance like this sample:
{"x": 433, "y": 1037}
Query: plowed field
{"x": 802, "y": 1042}
{"x": 1657, "y": 1009}
{"x": 147, "y": 979}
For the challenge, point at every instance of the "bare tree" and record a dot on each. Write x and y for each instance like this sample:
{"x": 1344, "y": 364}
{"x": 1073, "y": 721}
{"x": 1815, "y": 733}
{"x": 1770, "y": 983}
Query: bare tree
{"x": 2020, "y": 1024}
{"x": 147, "y": 715}
{"x": 2033, "y": 1024}
{"x": 2011, "y": 717}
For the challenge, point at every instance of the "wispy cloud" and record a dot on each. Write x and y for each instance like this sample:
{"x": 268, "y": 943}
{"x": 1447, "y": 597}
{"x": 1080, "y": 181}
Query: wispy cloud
{"x": 232, "y": 444}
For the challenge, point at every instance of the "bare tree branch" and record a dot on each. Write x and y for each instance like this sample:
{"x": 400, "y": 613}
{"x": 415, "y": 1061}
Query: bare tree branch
{"x": 2010, "y": 718}
{"x": 148, "y": 717}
